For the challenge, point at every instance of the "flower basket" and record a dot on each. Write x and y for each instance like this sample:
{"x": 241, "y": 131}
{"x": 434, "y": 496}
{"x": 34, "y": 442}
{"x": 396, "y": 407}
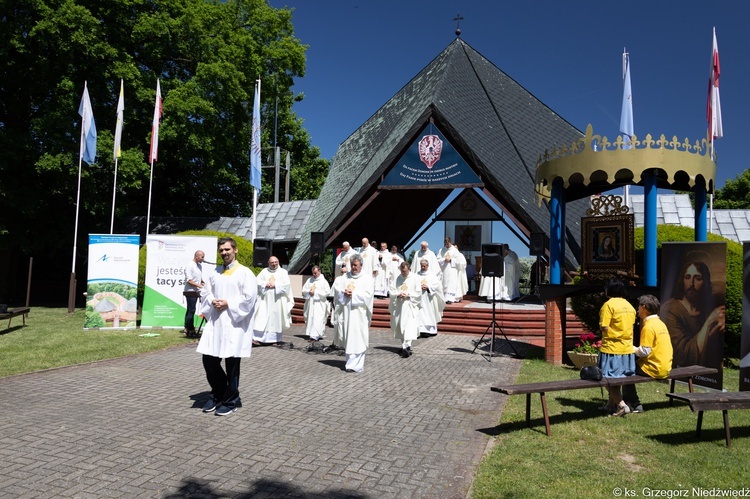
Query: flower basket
{"x": 583, "y": 359}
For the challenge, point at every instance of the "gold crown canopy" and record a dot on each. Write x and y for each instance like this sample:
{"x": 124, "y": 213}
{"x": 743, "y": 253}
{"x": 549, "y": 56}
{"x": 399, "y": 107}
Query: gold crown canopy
{"x": 585, "y": 171}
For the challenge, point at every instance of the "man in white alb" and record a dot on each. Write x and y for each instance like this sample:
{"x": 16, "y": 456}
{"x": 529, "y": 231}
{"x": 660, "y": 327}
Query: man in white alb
{"x": 406, "y": 300}
{"x": 463, "y": 281}
{"x": 315, "y": 292}
{"x": 432, "y": 301}
{"x": 369, "y": 260}
{"x": 394, "y": 262}
{"x": 510, "y": 289}
{"x": 352, "y": 307}
{"x": 273, "y": 310}
{"x": 381, "y": 279}
{"x": 227, "y": 303}
{"x": 342, "y": 259}
{"x": 448, "y": 258}
{"x": 425, "y": 253}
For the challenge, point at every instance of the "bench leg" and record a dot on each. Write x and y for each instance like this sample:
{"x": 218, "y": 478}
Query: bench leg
{"x": 528, "y": 410}
{"x": 726, "y": 428}
{"x": 671, "y": 390}
{"x": 700, "y": 422}
{"x": 546, "y": 414}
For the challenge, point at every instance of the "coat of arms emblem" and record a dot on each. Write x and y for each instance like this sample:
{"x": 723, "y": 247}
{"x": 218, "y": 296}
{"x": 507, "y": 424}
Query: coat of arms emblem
{"x": 430, "y": 149}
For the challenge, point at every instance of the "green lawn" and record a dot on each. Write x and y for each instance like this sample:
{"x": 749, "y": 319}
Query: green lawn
{"x": 54, "y": 338}
{"x": 591, "y": 455}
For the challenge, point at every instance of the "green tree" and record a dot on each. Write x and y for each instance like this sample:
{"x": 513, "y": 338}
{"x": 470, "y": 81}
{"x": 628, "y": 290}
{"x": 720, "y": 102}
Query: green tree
{"x": 207, "y": 55}
{"x": 735, "y": 195}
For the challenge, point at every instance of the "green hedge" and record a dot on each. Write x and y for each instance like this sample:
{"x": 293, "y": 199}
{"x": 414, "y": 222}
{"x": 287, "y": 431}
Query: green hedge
{"x": 586, "y": 307}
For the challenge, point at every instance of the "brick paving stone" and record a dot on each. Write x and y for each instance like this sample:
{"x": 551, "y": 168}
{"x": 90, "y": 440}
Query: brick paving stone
{"x": 133, "y": 427}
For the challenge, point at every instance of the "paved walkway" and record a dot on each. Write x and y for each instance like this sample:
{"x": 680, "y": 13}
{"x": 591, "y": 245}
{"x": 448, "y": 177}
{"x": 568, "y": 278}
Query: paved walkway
{"x": 133, "y": 427}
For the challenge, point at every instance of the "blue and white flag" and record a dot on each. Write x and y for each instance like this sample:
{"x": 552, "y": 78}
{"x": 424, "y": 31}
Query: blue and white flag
{"x": 88, "y": 128}
{"x": 255, "y": 166}
{"x": 626, "y": 117}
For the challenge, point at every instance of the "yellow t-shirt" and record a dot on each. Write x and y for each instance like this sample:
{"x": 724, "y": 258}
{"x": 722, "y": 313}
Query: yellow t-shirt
{"x": 618, "y": 315}
{"x": 654, "y": 334}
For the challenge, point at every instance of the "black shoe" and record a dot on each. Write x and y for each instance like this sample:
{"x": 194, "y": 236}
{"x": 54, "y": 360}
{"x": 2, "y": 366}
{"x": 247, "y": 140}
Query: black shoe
{"x": 225, "y": 411}
{"x": 403, "y": 353}
{"x": 211, "y": 405}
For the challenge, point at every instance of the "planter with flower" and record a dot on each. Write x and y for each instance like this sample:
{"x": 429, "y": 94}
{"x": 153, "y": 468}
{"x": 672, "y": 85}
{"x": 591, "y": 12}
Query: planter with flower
{"x": 586, "y": 351}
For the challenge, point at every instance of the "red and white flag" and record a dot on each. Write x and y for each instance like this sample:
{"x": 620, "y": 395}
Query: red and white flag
{"x": 155, "y": 126}
{"x": 713, "y": 106}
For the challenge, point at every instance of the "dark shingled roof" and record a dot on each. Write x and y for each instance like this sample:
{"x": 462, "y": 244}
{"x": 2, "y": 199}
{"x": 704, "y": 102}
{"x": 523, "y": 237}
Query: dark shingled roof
{"x": 280, "y": 222}
{"x": 496, "y": 125}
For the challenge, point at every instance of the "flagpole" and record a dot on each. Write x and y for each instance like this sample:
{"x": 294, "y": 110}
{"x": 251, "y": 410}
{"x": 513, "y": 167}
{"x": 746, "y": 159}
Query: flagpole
{"x": 150, "y": 183}
{"x": 114, "y": 190}
{"x": 154, "y": 149}
{"x": 116, "y": 152}
{"x": 255, "y": 162}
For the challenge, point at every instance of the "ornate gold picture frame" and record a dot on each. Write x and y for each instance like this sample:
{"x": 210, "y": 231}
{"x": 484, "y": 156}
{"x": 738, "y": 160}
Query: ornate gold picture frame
{"x": 607, "y": 246}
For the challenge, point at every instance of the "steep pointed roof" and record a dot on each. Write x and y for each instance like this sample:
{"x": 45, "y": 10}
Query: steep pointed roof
{"x": 497, "y": 126}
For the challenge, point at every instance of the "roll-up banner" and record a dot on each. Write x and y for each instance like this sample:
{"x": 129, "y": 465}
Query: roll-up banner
{"x": 112, "y": 284}
{"x": 164, "y": 304}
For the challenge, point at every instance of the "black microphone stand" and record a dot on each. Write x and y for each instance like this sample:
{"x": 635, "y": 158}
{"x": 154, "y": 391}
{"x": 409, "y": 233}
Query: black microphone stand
{"x": 493, "y": 326}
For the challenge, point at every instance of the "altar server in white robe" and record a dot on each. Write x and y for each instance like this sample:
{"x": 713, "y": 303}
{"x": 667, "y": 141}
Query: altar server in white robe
{"x": 273, "y": 310}
{"x": 448, "y": 258}
{"x": 432, "y": 301}
{"x": 425, "y": 253}
{"x": 512, "y": 274}
{"x": 342, "y": 260}
{"x": 394, "y": 263}
{"x": 315, "y": 292}
{"x": 381, "y": 279}
{"x": 406, "y": 300}
{"x": 227, "y": 303}
{"x": 352, "y": 307}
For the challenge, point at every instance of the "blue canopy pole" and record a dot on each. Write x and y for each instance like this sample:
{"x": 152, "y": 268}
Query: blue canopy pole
{"x": 556, "y": 223}
{"x": 649, "y": 228}
{"x": 701, "y": 223}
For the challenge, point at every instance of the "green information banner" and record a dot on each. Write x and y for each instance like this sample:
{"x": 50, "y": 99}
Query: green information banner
{"x": 167, "y": 257}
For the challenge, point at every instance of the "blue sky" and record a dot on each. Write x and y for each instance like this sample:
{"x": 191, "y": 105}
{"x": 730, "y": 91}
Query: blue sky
{"x": 567, "y": 54}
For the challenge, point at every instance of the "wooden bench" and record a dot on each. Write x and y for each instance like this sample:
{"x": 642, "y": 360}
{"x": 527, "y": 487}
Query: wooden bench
{"x": 714, "y": 401}
{"x": 15, "y": 312}
{"x": 678, "y": 373}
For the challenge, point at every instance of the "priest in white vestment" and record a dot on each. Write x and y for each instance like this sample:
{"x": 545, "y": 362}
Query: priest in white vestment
{"x": 425, "y": 253}
{"x": 369, "y": 260}
{"x": 315, "y": 292}
{"x": 394, "y": 262}
{"x": 381, "y": 279}
{"x": 352, "y": 308}
{"x": 432, "y": 301}
{"x": 227, "y": 303}
{"x": 273, "y": 309}
{"x": 342, "y": 259}
{"x": 406, "y": 300}
{"x": 463, "y": 281}
{"x": 448, "y": 258}
{"x": 512, "y": 275}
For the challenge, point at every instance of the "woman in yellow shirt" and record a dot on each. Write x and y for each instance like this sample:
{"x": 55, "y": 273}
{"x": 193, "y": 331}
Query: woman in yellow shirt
{"x": 616, "y": 359}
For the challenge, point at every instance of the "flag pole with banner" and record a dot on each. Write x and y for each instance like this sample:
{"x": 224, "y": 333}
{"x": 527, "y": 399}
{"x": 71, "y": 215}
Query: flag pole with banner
{"x": 117, "y": 151}
{"x": 152, "y": 155}
{"x": 87, "y": 153}
{"x": 626, "y": 116}
{"x": 713, "y": 110}
{"x": 255, "y": 163}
